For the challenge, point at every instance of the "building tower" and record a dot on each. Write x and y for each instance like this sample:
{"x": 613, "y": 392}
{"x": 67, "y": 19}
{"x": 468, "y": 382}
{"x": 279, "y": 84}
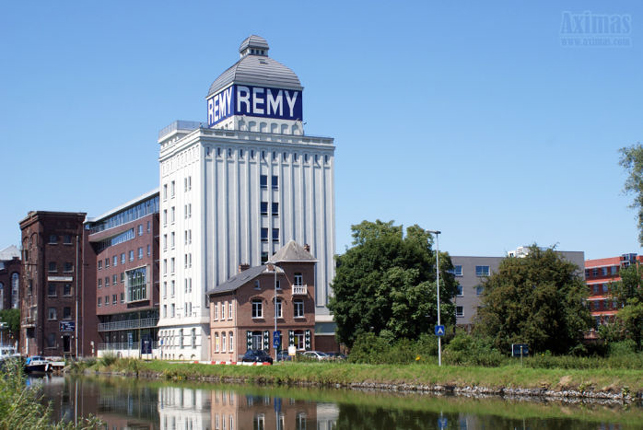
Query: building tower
{"x": 235, "y": 190}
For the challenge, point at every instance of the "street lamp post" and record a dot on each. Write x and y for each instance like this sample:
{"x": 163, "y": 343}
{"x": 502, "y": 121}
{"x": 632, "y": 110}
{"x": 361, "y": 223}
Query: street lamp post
{"x": 437, "y": 286}
{"x": 274, "y": 333}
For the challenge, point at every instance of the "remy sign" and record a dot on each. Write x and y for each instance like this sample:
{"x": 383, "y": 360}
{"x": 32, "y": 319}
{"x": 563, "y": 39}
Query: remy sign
{"x": 261, "y": 102}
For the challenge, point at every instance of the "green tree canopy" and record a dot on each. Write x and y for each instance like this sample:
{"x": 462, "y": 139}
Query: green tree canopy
{"x": 385, "y": 284}
{"x": 627, "y": 293}
{"x": 632, "y": 161}
{"x": 538, "y": 300}
{"x": 12, "y": 318}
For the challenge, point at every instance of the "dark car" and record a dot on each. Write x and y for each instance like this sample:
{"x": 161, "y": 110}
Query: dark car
{"x": 256, "y": 356}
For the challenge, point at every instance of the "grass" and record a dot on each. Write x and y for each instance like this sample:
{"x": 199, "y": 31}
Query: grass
{"x": 345, "y": 374}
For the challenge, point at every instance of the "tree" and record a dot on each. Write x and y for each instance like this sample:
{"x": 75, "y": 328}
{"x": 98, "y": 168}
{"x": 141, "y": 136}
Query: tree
{"x": 538, "y": 300}
{"x": 632, "y": 161}
{"x": 628, "y": 323}
{"x": 385, "y": 284}
{"x": 12, "y": 318}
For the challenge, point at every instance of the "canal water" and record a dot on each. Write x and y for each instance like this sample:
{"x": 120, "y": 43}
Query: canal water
{"x": 131, "y": 404}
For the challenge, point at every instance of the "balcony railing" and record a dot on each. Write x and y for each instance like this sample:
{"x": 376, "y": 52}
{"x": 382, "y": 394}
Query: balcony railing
{"x": 128, "y": 324}
{"x": 116, "y": 346}
{"x": 298, "y": 290}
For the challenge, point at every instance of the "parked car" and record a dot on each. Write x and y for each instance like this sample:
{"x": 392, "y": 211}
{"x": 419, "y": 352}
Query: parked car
{"x": 318, "y": 355}
{"x": 256, "y": 356}
{"x": 283, "y": 356}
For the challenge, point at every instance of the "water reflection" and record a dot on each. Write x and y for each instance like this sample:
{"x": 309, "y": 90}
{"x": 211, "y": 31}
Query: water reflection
{"x": 133, "y": 404}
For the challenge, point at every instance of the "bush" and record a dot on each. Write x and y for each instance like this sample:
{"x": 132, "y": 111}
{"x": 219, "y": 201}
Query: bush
{"x": 371, "y": 349}
{"x": 468, "y": 350}
{"x": 618, "y": 349}
{"x": 107, "y": 359}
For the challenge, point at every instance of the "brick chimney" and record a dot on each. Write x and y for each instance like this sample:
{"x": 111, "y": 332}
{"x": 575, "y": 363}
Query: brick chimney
{"x": 243, "y": 267}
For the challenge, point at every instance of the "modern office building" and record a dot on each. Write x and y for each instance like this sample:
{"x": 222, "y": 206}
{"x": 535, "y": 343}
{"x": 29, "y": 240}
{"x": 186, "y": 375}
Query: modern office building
{"x": 122, "y": 255}
{"x": 10, "y": 267}
{"x": 56, "y": 316}
{"x": 471, "y": 273}
{"x": 599, "y": 274}
{"x": 236, "y": 189}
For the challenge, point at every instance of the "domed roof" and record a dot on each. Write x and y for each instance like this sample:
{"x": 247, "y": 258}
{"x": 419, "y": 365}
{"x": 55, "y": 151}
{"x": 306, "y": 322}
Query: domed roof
{"x": 256, "y": 68}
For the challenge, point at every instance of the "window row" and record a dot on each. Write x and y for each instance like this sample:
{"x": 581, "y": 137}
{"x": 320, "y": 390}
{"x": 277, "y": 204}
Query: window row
{"x": 187, "y": 186}
{"x": 66, "y": 239}
{"x": 114, "y": 301}
{"x": 168, "y": 338}
{"x": 220, "y": 310}
{"x": 599, "y": 289}
{"x": 135, "y": 212}
{"x": 603, "y": 305}
{"x": 274, "y": 207}
{"x": 52, "y": 290}
{"x": 306, "y": 158}
{"x": 258, "y": 313}
{"x": 220, "y": 344}
{"x": 264, "y": 234}
{"x": 67, "y": 267}
{"x": 478, "y": 289}
{"x": 601, "y": 271}
{"x": 52, "y": 313}
{"x": 480, "y": 270}
{"x": 124, "y": 257}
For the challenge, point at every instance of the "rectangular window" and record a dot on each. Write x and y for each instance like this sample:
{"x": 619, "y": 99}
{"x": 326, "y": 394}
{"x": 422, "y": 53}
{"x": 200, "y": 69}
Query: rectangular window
{"x": 172, "y": 261}
{"x": 223, "y": 342}
{"x": 106, "y": 263}
{"x": 136, "y": 285}
{"x": 299, "y": 308}
{"x": 264, "y": 208}
{"x": 123, "y": 258}
{"x": 172, "y": 214}
{"x": 173, "y": 310}
{"x": 173, "y": 286}
{"x": 230, "y": 315}
{"x": 67, "y": 313}
{"x": 100, "y": 302}
{"x": 114, "y": 279}
{"x": 172, "y": 188}
{"x": 53, "y": 239}
{"x": 140, "y": 253}
{"x": 482, "y": 270}
{"x": 51, "y": 290}
{"x": 223, "y": 306}
{"x": 115, "y": 261}
{"x": 164, "y": 311}
{"x": 164, "y": 192}
{"x": 479, "y": 290}
{"x": 52, "y": 267}
{"x": 164, "y": 217}
{"x": 149, "y": 250}
{"x": 231, "y": 344}
{"x": 100, "y": 283}
{"x": 122, "y": 277}
{"x": 67, "y": 290}
{"x": 459, "y": 311}
{"x": 172, "y": 240}
{"x": 216, "y": 312}
{"x": 106, "y": 281}
{"x": 257, "y": 309}
{"x": 264, "y": 234}
{"x": 51, "y": 314}
{"x": 460, "y": 293}
{"x": 140, "y": 229}
{"x": 299, "y": 279}
{"x": 264, "y": 181}
{"x": 122, "y": 297}
{"x": 100, "y": 264}
{"x": 278, "y": 309}
{"x": 457, "y": 270}
{"x": 275, "y": 234}
{"x": 275, "y": 208}
{"x": 67, "y": 239}
{"x": 165, "y": 289}
{"x": 604, "y": 271}
{"x": 149, "y": 226}
{"x": 69, "y": 268}
{"x": 614, "y": 270}
{"x": 131, "y": 255}
{"x": 275, "y": 182}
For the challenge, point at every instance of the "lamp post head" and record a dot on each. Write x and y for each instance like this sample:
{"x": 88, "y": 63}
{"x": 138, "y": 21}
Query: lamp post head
{"x": 434, "y": 231}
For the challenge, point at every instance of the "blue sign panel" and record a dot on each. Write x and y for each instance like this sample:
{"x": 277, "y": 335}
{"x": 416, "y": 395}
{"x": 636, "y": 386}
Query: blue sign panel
{"x": 276, "y": 339}
{"x": 519, "y": 350}
{"x": 260, "y": 102}
{"x": 439, "y": 330}
{"x": 67, "y": 326}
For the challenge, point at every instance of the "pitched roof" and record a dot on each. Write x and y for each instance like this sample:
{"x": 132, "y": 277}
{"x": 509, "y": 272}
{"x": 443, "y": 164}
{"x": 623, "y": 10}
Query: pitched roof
{"x": 9, "y": 253}
{"x": 292, "y": 252}
{"x": 238, "y": 280}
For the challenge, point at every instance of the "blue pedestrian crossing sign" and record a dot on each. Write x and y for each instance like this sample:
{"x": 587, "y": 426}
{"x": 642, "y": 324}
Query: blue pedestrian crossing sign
{"x": 439, "y": 330}
{"x": 276, "y": 339}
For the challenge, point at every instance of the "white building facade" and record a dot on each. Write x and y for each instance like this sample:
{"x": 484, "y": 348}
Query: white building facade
{"x": 234, "y": 191}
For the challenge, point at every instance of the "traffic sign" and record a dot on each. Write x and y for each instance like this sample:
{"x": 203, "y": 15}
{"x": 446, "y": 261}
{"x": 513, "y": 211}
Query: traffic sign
{"x": 439, "y": 330}
{"x": 276, "y": 339}
{"x": 442, "y": 422}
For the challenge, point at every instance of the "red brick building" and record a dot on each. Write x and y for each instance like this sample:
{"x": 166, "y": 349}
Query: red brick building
{"x": 123, "y": 272}
{"x": 599, "y": 273}
{"x": 10, "y": 267}
{"x": 56, "y": 318}
{"x": 242, "y": 309}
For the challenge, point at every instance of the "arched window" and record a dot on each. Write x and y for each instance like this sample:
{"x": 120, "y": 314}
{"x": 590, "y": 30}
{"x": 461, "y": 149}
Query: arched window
{"x": 15, "y": 282}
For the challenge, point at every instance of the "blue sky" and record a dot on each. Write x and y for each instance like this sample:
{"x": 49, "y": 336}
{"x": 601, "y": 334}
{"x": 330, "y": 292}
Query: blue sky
{"x": 467, "y": 117}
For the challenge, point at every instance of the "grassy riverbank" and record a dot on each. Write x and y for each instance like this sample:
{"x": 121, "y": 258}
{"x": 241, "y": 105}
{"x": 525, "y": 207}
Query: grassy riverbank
{"x": 513, "y": 376}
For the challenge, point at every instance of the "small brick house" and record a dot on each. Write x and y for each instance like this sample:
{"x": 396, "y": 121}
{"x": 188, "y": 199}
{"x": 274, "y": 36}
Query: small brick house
{"x": 242, "y": 309}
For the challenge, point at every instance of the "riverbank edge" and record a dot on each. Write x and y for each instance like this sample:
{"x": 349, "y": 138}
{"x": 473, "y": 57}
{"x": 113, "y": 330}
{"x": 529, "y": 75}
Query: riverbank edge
{"x": 620, "y": 394}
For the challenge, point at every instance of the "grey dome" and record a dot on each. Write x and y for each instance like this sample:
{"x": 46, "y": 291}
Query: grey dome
{"x": 256, "y": 68}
